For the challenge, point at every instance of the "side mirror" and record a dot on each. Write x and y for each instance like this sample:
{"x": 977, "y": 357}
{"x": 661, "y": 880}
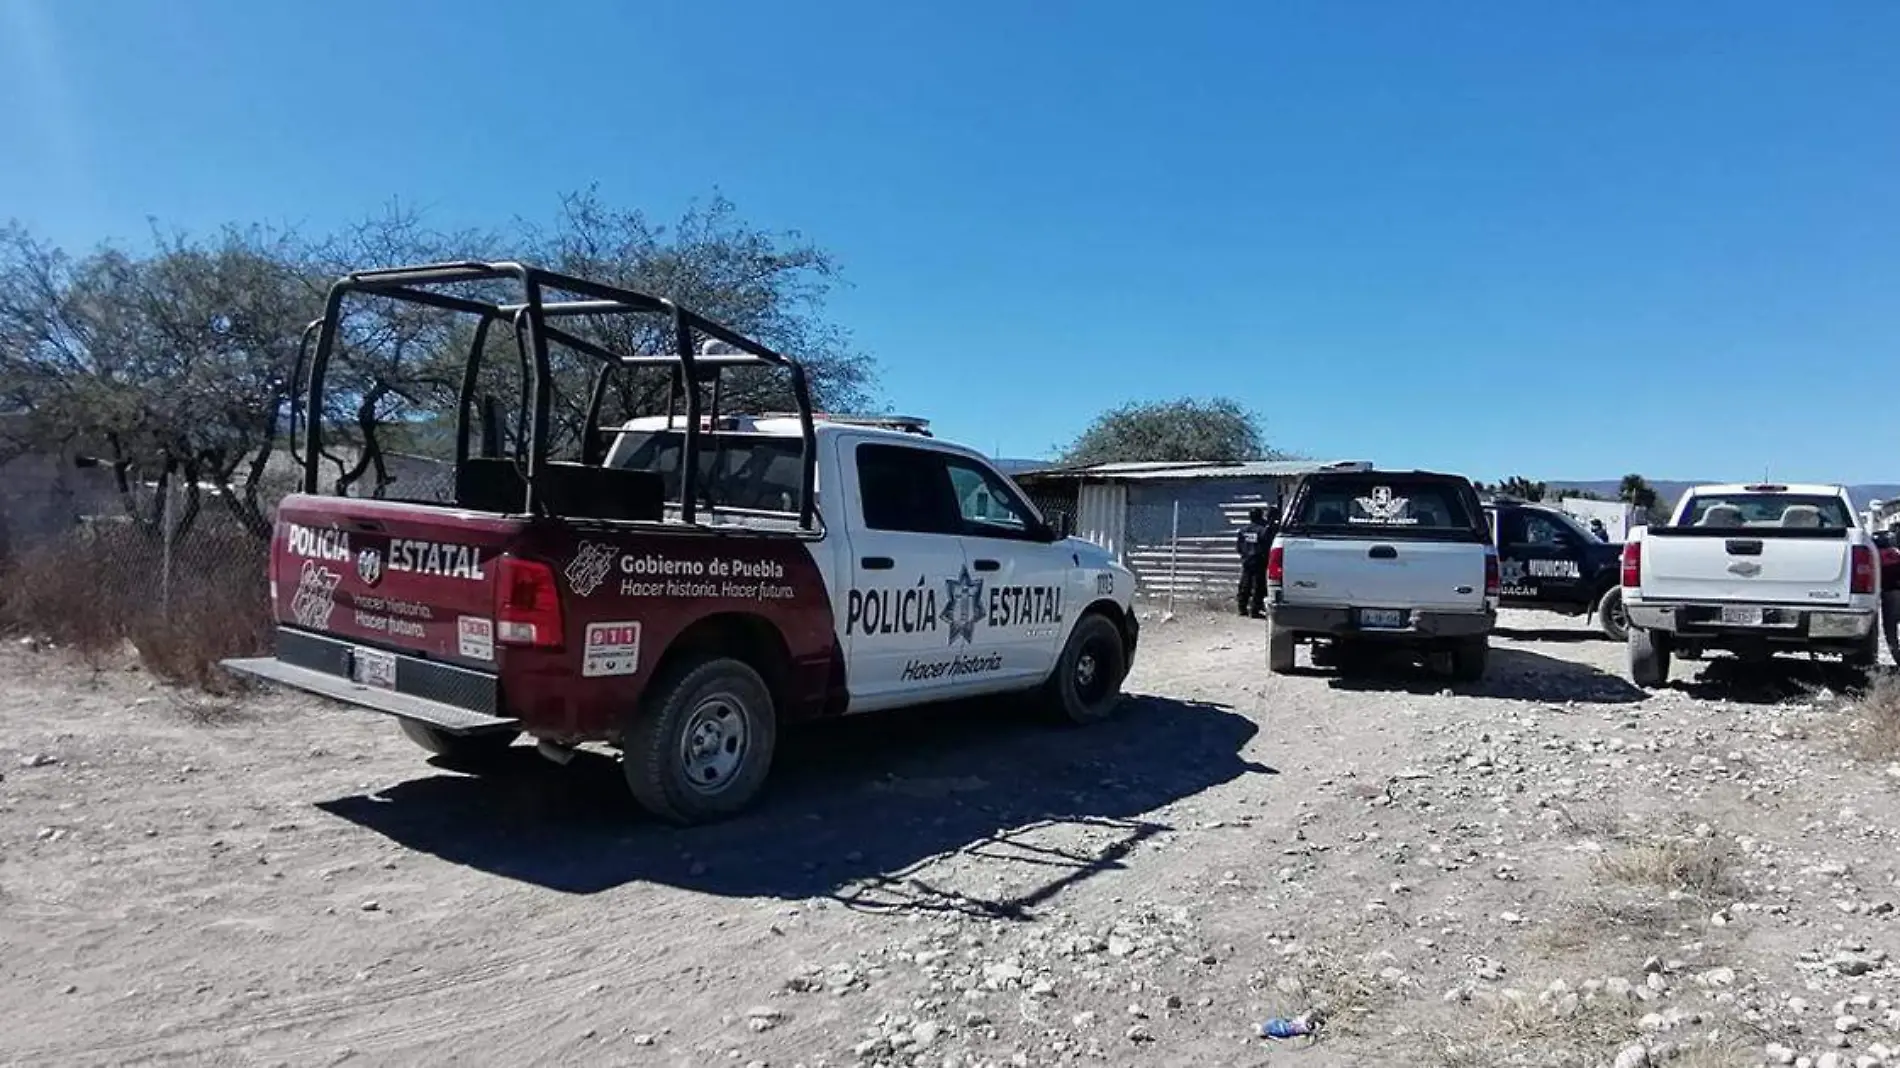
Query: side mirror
{"x": 1061, "y": 525}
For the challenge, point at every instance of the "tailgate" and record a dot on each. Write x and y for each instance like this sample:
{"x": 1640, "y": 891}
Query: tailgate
{"x": 401, "y": 576}
{"x": 1740, "y": 567}
{"x": 1360, "y": 573}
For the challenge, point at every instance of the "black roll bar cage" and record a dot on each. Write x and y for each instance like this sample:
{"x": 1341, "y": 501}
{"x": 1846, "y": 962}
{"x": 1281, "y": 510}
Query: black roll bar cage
{"x": 529, "y": 319}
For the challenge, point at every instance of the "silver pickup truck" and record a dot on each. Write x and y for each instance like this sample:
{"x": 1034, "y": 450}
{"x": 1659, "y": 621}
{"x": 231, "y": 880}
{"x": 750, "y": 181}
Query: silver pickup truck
{"x": 1755, "y": 570}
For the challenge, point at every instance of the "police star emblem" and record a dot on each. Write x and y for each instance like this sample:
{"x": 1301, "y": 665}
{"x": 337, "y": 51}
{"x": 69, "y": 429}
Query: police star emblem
{"x": 963, "y": 599}
{"x": 369, "y": 566}
{"x": 1511, "y": 572}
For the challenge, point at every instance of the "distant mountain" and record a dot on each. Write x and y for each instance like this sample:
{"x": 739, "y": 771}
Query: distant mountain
{"x": 1016, "y": 466}
{"x": 1670, "y": 490}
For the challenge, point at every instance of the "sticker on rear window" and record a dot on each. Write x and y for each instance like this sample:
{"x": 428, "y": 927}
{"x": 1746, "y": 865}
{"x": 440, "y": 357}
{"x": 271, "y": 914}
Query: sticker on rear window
{"x": 475, "y": 637}
{"x": 1382, "y": 507}
{"x": 611, "y": 649}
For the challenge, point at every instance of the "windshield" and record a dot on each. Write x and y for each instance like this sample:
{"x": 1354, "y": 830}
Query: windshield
{"x": 1574, "y": 524}
{"x": 1391, "y": 506}
{"x": 755, "y": 472}
{"x": 1743, "y": 510}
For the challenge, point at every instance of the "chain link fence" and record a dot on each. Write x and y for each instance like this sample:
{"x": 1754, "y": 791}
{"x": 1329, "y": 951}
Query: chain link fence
{"x": 174, "y": 575}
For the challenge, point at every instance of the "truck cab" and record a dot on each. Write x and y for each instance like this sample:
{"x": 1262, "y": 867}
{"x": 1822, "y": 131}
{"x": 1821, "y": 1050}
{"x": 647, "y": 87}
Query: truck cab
{"x": 1550, "y": 562}
{"x": 687, "y": 585}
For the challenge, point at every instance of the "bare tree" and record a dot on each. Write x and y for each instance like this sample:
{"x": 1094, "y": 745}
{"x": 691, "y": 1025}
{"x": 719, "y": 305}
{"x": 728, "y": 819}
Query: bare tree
{"x": 178, "y": 365}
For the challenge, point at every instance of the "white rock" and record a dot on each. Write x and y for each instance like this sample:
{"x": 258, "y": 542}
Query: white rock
{"x": 1846, "y": 1025}
{"x": 1634, "y": 1055}
{"x": 1778, "y": 1054}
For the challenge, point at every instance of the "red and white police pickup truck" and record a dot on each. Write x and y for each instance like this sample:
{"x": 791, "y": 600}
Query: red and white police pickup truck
{"x": 681, "y": 610}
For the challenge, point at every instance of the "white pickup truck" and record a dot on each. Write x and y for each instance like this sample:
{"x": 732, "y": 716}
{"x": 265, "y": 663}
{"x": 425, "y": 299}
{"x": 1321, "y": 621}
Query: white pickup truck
{"x": 1392, "y": 558}
{"x": 1755, "y": 570}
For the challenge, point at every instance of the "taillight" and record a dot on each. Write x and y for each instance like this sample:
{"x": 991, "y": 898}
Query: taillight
{"x": 1633, "y": 564}
{"x": 1866, "y": 571}
{"x": 1493, "y": 581}
{"x": 1276, "y": 564}
{"x": 527, "y": 605}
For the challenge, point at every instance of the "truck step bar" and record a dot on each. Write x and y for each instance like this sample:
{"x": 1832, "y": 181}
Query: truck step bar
{"x": 401, "y": 705}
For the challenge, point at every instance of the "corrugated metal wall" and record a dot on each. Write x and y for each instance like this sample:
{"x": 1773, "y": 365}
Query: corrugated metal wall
{"x": 1102, "y": 515}
{"x": 1202, "y": 562}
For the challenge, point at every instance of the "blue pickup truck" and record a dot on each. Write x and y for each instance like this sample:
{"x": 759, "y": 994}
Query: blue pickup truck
{"x": 1549, "y": 562}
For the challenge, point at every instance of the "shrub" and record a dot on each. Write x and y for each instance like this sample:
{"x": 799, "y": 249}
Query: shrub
{"x": 105, "y": 586}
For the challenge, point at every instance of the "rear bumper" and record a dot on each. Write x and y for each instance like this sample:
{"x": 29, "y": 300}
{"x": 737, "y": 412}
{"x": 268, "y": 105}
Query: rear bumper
{"x": 1781, "y": 624}
{"x": 1421, "y": 625}
{"x": 453, "y": 699}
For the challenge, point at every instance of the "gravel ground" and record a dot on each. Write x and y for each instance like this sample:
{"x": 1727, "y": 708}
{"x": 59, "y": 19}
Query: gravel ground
{"x": 1551, "y": 868}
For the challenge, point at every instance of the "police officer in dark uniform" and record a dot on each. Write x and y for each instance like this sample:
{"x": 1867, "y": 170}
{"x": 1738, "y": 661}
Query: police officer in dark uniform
{"x": 1255, "y": 539}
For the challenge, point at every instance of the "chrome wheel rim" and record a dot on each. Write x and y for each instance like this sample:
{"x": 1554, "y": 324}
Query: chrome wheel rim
{"x": 713, "y": 744}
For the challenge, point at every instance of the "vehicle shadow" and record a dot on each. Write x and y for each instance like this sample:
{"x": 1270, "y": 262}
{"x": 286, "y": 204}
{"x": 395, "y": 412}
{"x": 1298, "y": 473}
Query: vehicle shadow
{"x": 858, "y": 810}
{"x": 1578, "y": 634}
{"x": 1515, "y": 674}
{"x": 1764, "y": 682}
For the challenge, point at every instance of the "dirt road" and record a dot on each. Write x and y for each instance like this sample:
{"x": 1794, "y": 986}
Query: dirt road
{"x": 1551, "y": 868}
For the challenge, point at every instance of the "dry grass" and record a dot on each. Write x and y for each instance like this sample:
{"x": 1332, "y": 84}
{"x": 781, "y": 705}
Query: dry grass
{"x": 1587, "y": 821}
{"x": 1699, "y": 868}
{"x": 1879, "y": 713}
{"x": 1523, "y": 1030}
{"x": 1586, "y": 924}
{"x": 100, "y": 591}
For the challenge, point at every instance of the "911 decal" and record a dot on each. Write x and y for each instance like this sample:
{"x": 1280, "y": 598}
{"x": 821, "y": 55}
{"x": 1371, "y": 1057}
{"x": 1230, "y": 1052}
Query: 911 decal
{"x": 611, "y": 649}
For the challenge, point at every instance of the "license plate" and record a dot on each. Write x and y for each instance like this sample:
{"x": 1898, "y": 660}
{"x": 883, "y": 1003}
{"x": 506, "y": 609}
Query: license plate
{"x": 375, "y": 668}
{"x": 1382, "y": 618}
{"x": 1742, "y": 617}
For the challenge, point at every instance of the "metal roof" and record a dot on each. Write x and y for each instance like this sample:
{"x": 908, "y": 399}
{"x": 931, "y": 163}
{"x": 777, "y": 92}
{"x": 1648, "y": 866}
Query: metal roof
{"x": 1145, "y": 471}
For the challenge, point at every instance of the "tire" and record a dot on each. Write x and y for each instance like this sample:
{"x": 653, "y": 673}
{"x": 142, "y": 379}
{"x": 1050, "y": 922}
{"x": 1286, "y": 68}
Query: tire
{"x": 1865, "y": 656}
{"x": 1890, "y": 622}
{"x": 1280, "y": 649}
{"x": 702, "y": 745}
{"x": 1469, "y": 659}
{"x": 1649, "y": 658}
{"x": 467, "y": 749}
{"x": 1612, "y": 618}
{"x": 1086, "y": 685}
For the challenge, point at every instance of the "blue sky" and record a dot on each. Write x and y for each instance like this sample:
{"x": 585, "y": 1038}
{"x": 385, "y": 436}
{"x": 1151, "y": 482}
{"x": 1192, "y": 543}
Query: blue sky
{"x": 1567, "y": 241}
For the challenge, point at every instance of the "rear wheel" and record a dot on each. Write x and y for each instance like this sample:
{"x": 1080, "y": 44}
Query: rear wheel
{"x": 1469, "y": 658}
{"x": 701, "y": 748}
{"x": 1612, "y": 617}
{"x": 1280, "y": 648}
{"x": 1649, "y": 657}
{"x": 1086, "y": 686}
{"x": 1864, "y": 657}
{"x": 1890, "y": 622}
{"x": 470, "y": 749}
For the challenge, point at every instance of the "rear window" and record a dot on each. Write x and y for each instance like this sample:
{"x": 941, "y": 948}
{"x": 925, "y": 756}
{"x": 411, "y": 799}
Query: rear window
{"x": 1745, "y": 510}
{"x": 1391, "y": 507}
{"x": 758, "y": 472}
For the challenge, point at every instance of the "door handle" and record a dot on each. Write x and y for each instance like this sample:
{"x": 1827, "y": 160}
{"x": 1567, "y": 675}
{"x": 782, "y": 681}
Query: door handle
{"x": 1383, "y": 552}
{"x": 989, "y": 565}
{"x": 877, "y": 563}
